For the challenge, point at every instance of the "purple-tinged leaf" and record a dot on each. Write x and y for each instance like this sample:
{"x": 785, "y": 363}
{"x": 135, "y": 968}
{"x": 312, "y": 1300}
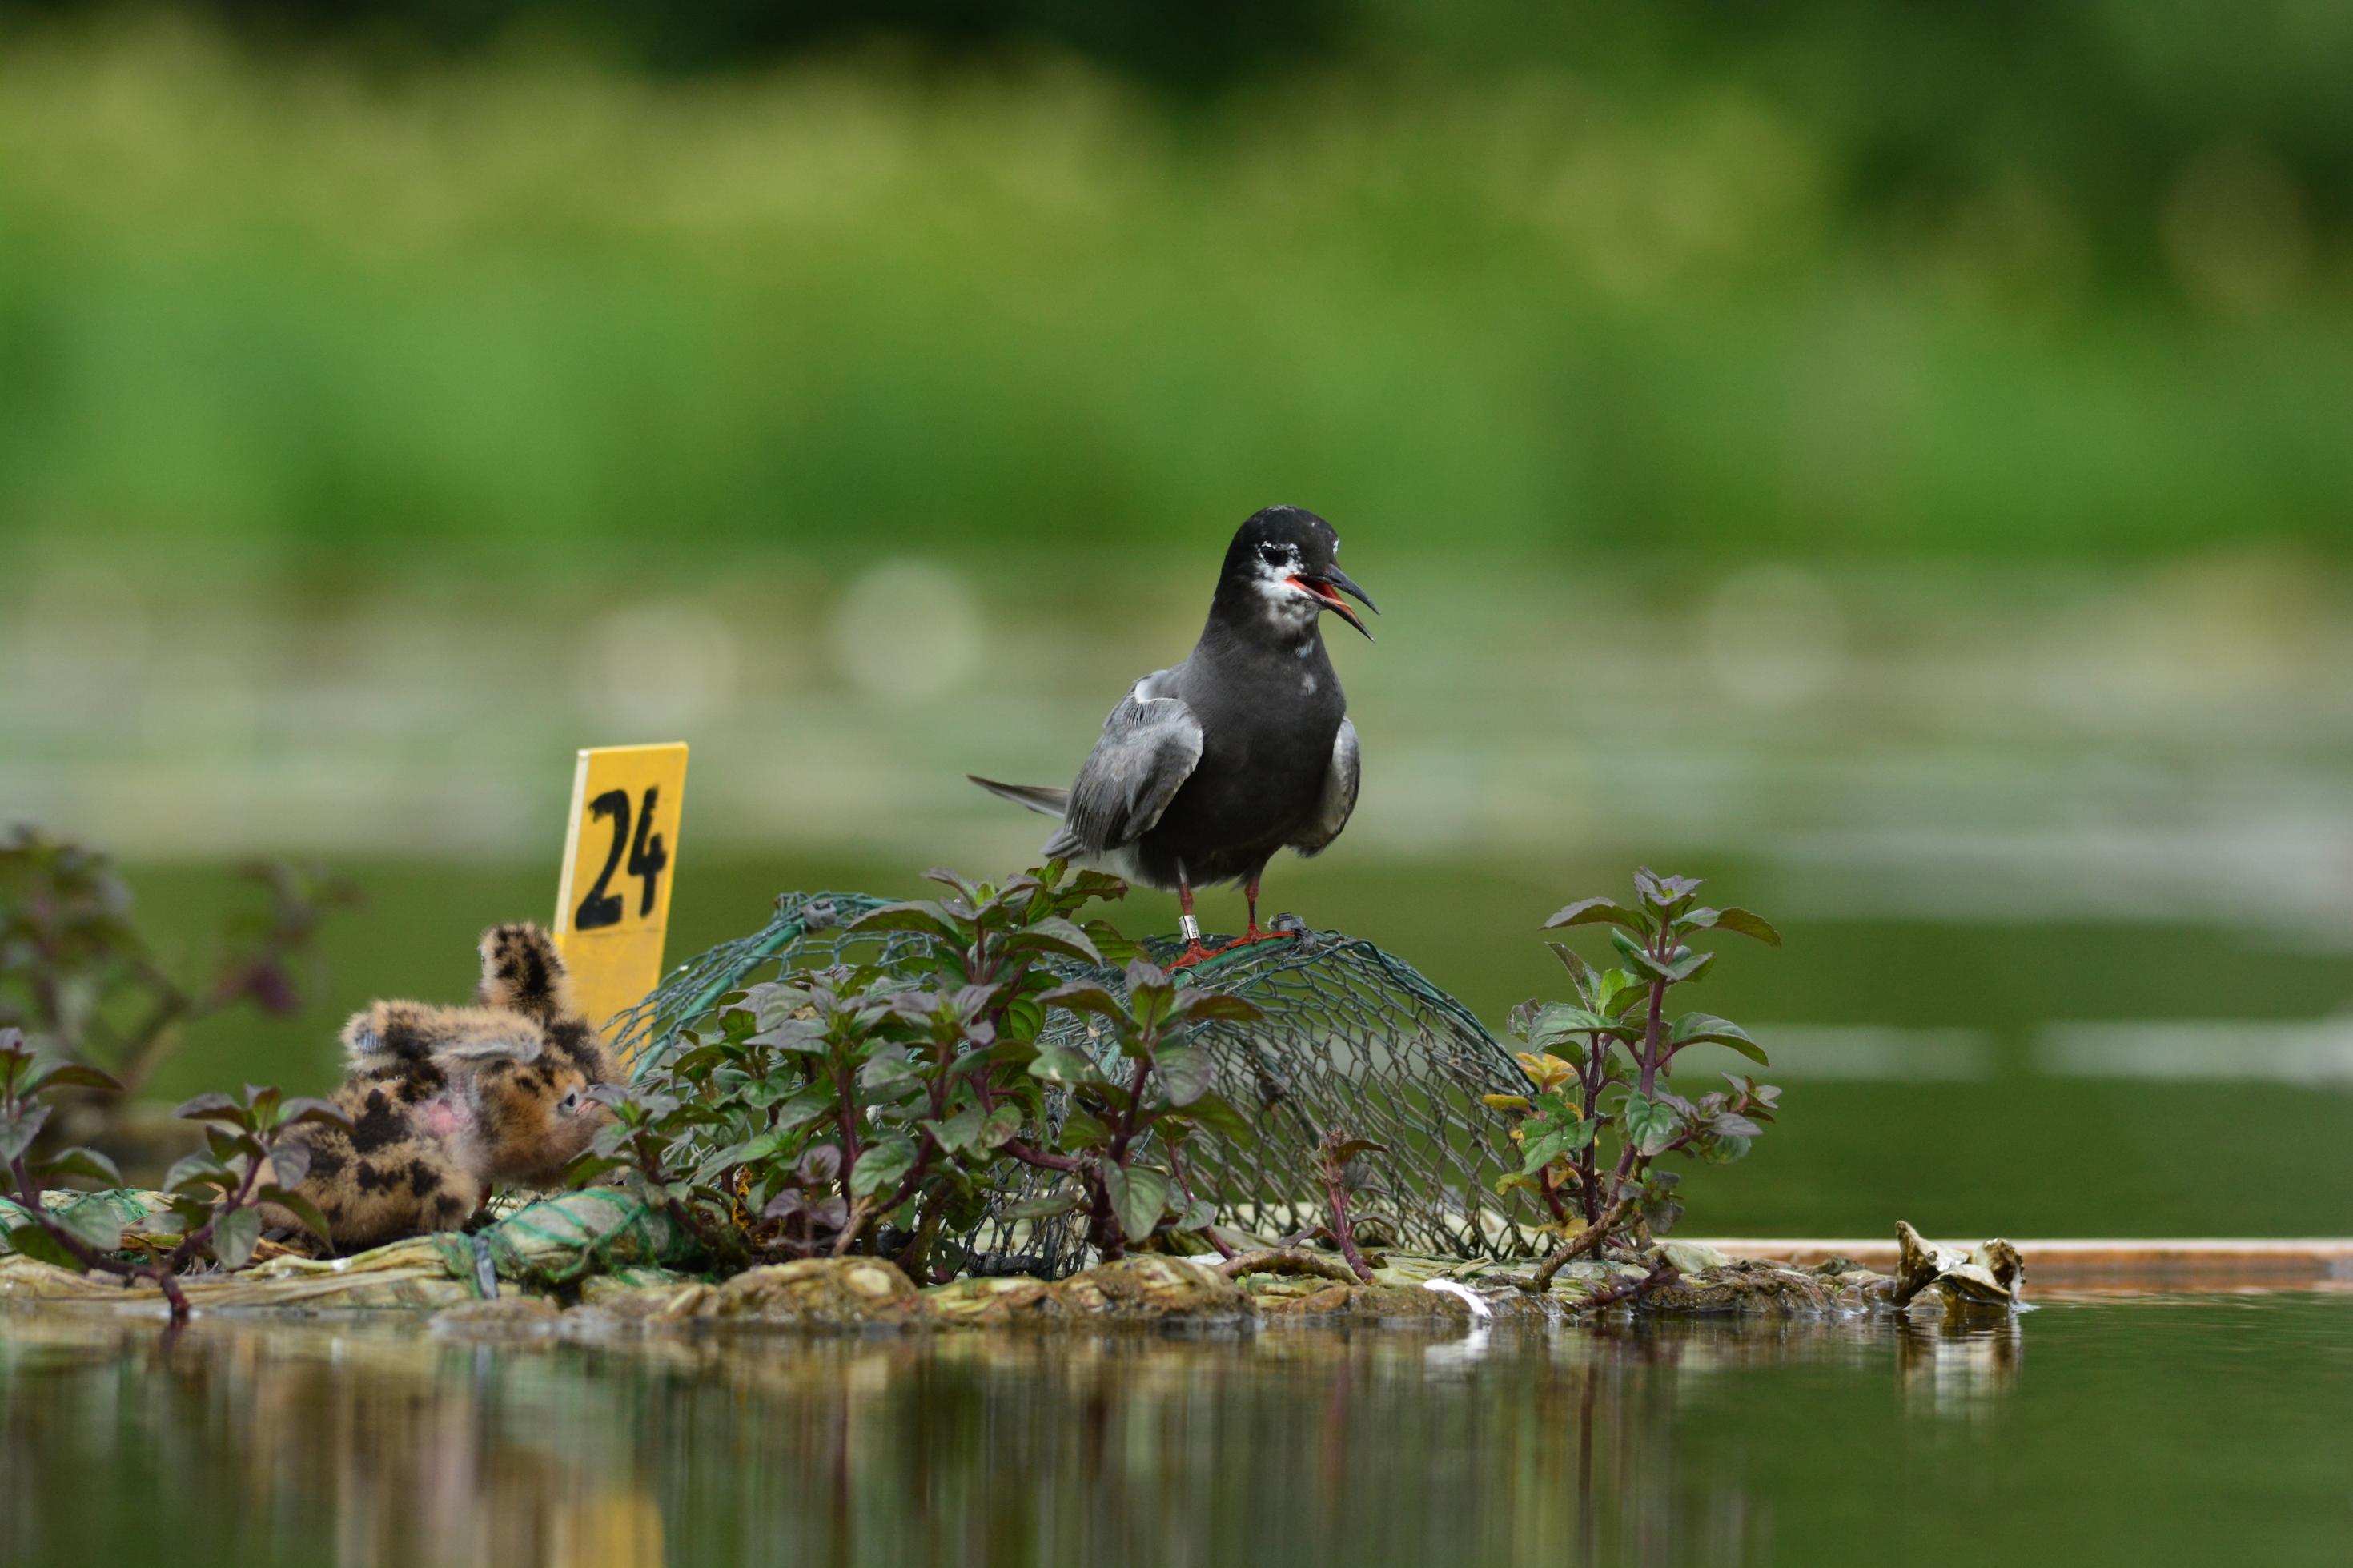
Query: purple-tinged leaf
{"x": 87, "y": 1164}
{"x": 17, "y": 1133}
{"x": 1747, "y": 925}
{"x": 235, "y": 1231}
{"x": 214, "y": 1107}
{"x": 304, "y": 1210}
{"x": 1597, "y": 911}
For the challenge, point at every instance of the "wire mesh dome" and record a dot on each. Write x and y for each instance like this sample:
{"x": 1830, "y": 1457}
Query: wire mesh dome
{"x": 1348, "y": 1038}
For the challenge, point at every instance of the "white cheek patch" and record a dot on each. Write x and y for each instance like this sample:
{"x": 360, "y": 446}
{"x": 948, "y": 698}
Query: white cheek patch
{"x": 1288, "y": 606}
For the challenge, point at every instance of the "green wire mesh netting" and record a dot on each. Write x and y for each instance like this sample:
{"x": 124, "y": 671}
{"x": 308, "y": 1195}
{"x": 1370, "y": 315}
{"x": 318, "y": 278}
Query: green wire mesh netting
{"x": 1349, "y": 1038}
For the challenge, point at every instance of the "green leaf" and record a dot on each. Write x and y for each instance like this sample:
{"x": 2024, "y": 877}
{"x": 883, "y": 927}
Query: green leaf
{"x": 1544, "y": 1150}
{"x": 1055, "y": 934}
{"x": 1706, "y": 1028}
{"x": 1139, "y": 1196}
{"x": 1652, "y": 1124}
{"x": 881, "y": 1167}
{"x": 194, "y": 1174}
{"x": 1635, "y": 952}
{"x": 301, "y": 1208}
{"x": 806, "y": 1107}
{"x": 1213, "y": 1114}
{"x": 1667, "y": 893}
{"x": 1214, "y": 1007}
{"x": 65, "y": 1075}
{"x": 1024, "y": 1017}
{"x": 1578, "y": 970}
{"x": 93, "y": 1222}
{"x": 923, "y": 916}
{"x": 212, "y": 1108}
{"x": 17, "y": 1133}
{"x": 234, "y": 1234}
{"x": 1085, "y": 996}
{"x": 1348, "y": 1149}
{"x": 958, "y": 1133}
{"x": 1003, "y": 1125}
{"x": 1597, "y": 911}
{"x": 1151, "y": 994}
{"x": 763, "y": 1145}
{"x": 36, "y": 1243}
{"x": 1081, "y": 1130}
{"x": 88, "y": 1163}
{"x": 1689, "y": 965}
{"x": 1614, "y": 988}
{"x": 306, "y": 1111}
{"x": 1185, "y": 1072}
{"x": 1060, "y": 1064}
{"x": 1045, "y": 1206}
{"x": 584, "y": 1170}
{"x": 1748, "y": 925}
{"x": 1556, "y": 1027}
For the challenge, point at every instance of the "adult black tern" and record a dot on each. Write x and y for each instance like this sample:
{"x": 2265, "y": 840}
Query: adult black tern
{"x": 1204, "y": 771}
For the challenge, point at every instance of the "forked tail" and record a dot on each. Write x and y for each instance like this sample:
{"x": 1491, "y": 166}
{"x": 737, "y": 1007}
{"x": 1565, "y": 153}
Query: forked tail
{"x": 1042, "y": 799}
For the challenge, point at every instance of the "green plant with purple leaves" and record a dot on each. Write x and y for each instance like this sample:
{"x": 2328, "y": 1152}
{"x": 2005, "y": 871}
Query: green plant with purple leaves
{"x": 89, "y": 987}
{"x": 1602, "y": 1115}
{"x": 212, "y": 1198}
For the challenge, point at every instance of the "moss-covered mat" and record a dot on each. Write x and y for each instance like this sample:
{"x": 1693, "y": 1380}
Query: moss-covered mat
{"x": 596, "y": 1263}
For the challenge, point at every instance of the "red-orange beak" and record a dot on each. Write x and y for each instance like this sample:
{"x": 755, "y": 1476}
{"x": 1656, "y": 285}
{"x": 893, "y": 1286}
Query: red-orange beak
{"x": 1327, "y": 588}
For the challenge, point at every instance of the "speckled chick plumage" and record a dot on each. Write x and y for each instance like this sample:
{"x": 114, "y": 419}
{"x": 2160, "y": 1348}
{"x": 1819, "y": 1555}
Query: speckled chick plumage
{"x": 447, "y": 1102}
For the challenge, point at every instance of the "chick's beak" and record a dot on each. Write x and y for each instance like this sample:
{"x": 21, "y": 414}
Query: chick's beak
{"x": 1327, "y": 586}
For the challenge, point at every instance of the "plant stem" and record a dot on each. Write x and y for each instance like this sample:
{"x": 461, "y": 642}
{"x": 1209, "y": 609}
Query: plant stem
{"x": 1344, "y": 1230}
{"x": 1584, "y": 1241}
{"x": 1287, "y": 1260}
{"x": 1186, "y": 1186}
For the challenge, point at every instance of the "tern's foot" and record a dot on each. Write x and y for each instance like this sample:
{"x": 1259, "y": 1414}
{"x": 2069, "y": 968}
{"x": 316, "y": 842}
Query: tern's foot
{"x": 1249, "y": 938}
{"x": 1194, "y": 953}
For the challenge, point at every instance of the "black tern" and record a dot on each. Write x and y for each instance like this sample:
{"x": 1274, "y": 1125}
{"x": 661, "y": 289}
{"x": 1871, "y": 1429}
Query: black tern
{"x": 1205, "y": 770}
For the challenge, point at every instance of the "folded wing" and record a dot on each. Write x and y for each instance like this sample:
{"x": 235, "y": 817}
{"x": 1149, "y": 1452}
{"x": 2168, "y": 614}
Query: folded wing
{"x": 1149, "y": 747}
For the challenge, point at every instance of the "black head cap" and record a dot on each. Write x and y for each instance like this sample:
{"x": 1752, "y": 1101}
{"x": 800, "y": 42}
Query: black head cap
{"x": 1287, "y": 545}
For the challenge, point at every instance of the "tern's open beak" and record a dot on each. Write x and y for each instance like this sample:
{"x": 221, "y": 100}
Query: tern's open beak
{"x": 1326, "y": 587}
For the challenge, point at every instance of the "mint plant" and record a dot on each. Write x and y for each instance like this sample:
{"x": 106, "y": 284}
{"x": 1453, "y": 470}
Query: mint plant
{"x": 1603, "y": 1116}
{"x": 88, "y": 985}
{"x": 212, "y": 1196}
{"x": 1113, "y": 1120}
{"x": 875, "y": 1106}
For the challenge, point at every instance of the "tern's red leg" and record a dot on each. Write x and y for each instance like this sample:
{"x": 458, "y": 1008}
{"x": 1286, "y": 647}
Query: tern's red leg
{"x": 1252, "y": 935}
{"x": 1194, "y": 951}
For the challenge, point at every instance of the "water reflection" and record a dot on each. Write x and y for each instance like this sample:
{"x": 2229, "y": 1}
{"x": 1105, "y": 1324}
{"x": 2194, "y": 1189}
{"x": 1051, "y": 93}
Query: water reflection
{"x": 362, "y": 1444}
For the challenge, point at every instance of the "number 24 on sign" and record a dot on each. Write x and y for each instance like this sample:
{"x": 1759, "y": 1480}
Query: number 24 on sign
{"x": 613, "y": 906}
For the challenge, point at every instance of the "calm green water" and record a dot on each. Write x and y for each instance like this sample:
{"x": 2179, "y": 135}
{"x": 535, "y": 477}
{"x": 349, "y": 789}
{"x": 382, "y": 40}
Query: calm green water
{"x": 2185, "y": 1430}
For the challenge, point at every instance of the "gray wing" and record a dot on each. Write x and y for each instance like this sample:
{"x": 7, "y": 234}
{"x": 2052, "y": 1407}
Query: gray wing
{"x": 1339, "y": 794}
{"x": 1149, "y": 747}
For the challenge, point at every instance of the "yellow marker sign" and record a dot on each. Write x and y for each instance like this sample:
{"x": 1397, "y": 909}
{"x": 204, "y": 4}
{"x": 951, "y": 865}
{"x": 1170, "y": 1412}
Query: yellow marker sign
{"x": 619, "y": 857}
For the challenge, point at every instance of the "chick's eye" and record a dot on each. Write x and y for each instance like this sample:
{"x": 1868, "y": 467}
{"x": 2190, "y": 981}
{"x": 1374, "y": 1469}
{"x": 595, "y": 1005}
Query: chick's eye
{"x": 570, "y": 1103}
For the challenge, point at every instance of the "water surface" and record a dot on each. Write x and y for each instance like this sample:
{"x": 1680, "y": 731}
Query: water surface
{"x": 2192, "y": 1428}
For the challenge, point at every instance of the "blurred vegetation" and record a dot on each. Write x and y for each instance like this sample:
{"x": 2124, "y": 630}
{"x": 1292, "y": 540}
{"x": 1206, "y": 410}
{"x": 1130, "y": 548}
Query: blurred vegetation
{"x": 324, "y": 296}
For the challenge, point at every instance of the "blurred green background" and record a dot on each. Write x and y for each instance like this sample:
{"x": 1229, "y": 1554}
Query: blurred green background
{"x": 1892, "y": 458}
